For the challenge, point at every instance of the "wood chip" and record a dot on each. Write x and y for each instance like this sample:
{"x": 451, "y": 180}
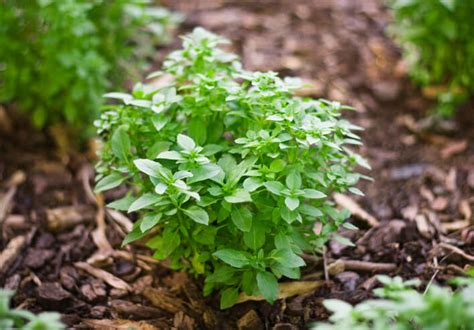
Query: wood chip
{"x": 453, "y": 148}
{"x": 108, "y": 278}
{"x": 119, "y": 324}
{"x": 250, "y": 321}
{"x": 163, "y": 300}
{"x": 11, "y": 252}
{"x": 65, "y": 217}
{"x": 355, "y": 209}
{"x": 367, "y": 266}
{"x": 452, "y": 249}
{"x": 286, "y": 289}
{"x": 6, "y": 199}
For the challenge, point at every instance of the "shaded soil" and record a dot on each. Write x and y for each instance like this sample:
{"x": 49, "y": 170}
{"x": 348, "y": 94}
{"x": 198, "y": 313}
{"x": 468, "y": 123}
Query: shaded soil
{"x": 422, "y": 194}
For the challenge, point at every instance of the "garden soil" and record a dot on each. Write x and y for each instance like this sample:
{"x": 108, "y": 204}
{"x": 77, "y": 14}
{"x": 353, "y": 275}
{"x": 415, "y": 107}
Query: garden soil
{"x": 61, "y": 246}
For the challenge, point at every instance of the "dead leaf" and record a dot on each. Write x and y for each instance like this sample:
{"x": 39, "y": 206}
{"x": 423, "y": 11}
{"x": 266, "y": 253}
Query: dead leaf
{"x": 286, "y": 289}
{"x": 355, "y": 209}
{"x": 108, "y": 278}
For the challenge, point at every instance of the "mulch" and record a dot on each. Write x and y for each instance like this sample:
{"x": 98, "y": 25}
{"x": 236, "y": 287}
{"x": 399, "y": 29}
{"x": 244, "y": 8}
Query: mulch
{"x": 61, "y": 247}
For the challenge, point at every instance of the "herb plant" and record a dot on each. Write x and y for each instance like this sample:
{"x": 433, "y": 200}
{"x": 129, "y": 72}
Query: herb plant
{"x": 22, "y": 319}
{"x": 436, "y": 37}
{"x": 59, "y": 57}
{"x": 405, "y": 308}
{"x": 229, "y": 171}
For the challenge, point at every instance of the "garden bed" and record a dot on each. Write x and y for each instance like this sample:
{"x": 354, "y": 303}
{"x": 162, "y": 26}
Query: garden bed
{"x": 415, "y": 220}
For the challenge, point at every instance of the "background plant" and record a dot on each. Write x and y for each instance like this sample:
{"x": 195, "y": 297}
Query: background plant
{"x": 436, "y": 37}
{"x": 22, "y": 319}
{"x": 59, "y": 57}
{"x": 405, "y": 308}
{"x": 229, "y": 171}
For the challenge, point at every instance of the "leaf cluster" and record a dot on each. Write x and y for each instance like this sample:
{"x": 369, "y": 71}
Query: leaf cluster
{"x": 229, "y": 171}
{"x": 22, "y": 319}
{"x": 59, "y": 57}
{"x": 403, "y": 308}
{"x": 436, "y": 38}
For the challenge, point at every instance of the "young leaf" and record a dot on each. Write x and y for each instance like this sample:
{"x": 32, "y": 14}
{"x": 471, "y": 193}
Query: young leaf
{"x": 197, "y": 130}
{"x": 171, "y": 155}
{"x": 292, "y": 203}
{"x": 186, "y": 142}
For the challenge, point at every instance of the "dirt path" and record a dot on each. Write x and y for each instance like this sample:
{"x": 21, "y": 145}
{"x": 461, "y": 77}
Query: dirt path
{"x": 422, "y": 195}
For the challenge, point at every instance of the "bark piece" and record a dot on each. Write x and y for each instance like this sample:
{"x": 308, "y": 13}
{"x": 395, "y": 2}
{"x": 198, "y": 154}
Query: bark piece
{"x": 163, "y": 300}
{"x": 11, "y": 252}
{"x": 130, "y": 310}
{"x": 287, "y": 289}
{"x": 250, "y": 321}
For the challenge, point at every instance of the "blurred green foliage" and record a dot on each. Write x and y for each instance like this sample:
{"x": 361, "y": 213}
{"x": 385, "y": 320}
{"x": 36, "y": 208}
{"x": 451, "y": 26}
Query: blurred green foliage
{"x": 23, "y": 319}
{"x": 57, "y": 58}
{"x": 402, "y": 308}
{"x": 437, "y": 41}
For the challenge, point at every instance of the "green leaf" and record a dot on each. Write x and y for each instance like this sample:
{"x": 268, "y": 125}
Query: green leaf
{"x": 255, "y": 238}
{"x": 150, "y": 221}
{"x": 251, "y": 184}
{"x": 229, "y": 297}
{"x": 239, "y": 196}
{"x": 197, "y": 214}
{"x": 313, "y": 194}
{"x": 110, "y": 181}
{"x": 238, "y": 171}
{"x": 185, "y": 142}
{"x": 237, "y": 259}
{"x": 164, "y": 245}
{"x": 143, "y": 201}
{"x": 122, "y": 204}
{"x": 132, "y": 236}
{"x": 152, "y": 168}
{"x": 204, "y": 172}
{"x": 287, "y": 258}
{"x": 242, "y": 219}
{"x": 310, "y": 210}
{"x": 274, "y": 187}
{"x": 292, "y": 203}
{"x": 222, "y": 274}
{"x": 120, "y": 143}
{"x": 281, "y": 270}
{"x": 197, "y": 130}
{"x": 159, "y": 122}
{"x": 171, "y": 155}
{"x": 277, "y": 165}
{"x": 293, "y": 181}
{"x": 268, "y": 286}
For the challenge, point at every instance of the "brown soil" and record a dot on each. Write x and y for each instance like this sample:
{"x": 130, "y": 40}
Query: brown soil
{"x": 422, "y": 194}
